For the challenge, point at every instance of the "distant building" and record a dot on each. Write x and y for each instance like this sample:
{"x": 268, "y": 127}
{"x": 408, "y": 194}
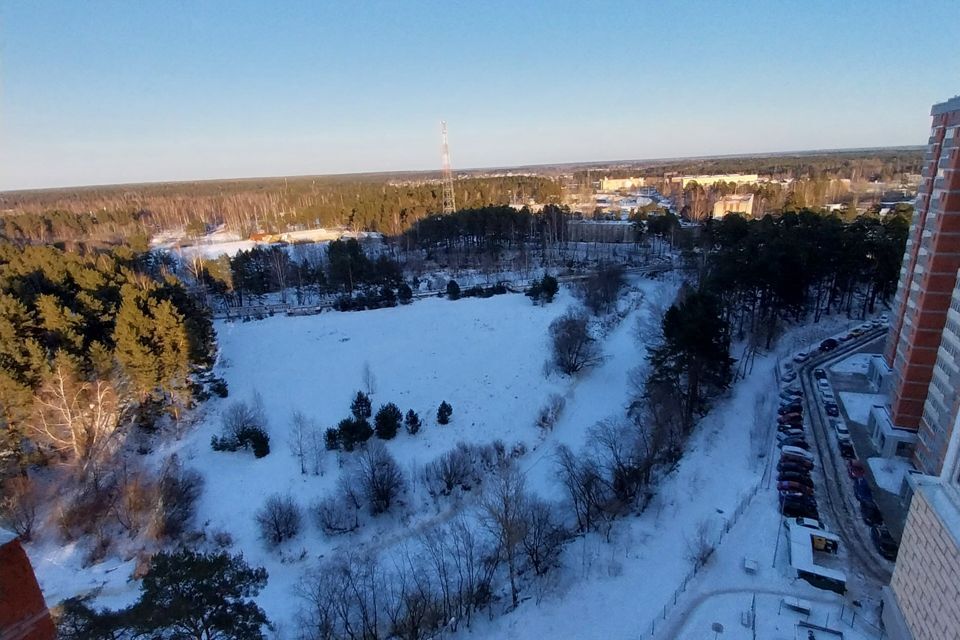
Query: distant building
{"x": 621, "y": 184}
{"x": 923, "y": 347}
{"x": 709, "y": 180}
{"x": 742, "y": 204}
{"x": 23, "y": 612}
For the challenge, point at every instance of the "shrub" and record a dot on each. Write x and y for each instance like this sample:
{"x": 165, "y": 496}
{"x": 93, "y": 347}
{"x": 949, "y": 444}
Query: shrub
{"x": 444, "y": 412}
{"x": 404, "y": 293}
{"x": 453, "y": 290}
{"x": 550, "y": 287}
{"x": 573, "y": 346}
{"x": 20, "y": 506}
{"x": 412, "y": 422}
{"x": 178, "y": 494}
{"x": 279, "y": 519}
{"x": 387, "y": 421}
{"x": 550, "y": 412}
{"x": 244, "y": 428}
{"x": 335, "y": 515}
{"x": 379, "y": 477}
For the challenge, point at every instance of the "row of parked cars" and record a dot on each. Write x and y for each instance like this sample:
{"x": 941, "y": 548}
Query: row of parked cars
{"x": 869, "y": 511}
{"x": 794, "y": 484}
{"x": 832, "y": 343}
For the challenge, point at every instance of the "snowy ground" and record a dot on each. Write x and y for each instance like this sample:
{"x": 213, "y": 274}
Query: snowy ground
{"x": 486, "y": 358}
{"x": 889, "y": 472}
{"x": 858, "y": 405}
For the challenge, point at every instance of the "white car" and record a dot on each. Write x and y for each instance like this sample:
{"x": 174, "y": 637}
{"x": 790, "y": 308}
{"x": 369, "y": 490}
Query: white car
{"x": 809, "y": 523}
{"x": 823, "y": 385}
{"x": 797, "y": 452}
{"x": 803, "y": 356}
{"x": 841, "y": 428}
{"x": 827, "y": 396}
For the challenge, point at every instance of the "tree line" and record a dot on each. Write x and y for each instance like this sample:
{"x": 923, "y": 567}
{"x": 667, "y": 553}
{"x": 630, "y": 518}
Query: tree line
{"x": 108, "y": 215}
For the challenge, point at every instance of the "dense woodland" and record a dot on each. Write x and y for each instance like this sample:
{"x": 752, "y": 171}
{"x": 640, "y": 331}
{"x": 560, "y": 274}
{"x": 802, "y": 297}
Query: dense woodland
{"x": 107, "y": 215}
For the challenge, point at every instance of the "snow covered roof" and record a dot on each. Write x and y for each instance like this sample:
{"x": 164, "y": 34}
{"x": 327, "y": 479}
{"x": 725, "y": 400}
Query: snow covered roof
{"x": 801, "y": 551}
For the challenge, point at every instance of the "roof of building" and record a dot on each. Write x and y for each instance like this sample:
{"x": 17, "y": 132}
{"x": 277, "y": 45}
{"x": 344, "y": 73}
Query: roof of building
{"x": 953, "y": 104}
{"x": 801, "y": 551}
{"x": 6, "y": 536}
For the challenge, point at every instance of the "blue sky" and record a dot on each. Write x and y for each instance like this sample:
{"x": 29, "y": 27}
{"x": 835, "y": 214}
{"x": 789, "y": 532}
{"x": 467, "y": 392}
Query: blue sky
{"x": 95, "y": 92}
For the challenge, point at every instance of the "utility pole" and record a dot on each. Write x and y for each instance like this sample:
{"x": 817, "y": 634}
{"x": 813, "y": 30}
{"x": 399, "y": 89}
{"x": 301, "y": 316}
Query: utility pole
{"x": 449, "y": 202}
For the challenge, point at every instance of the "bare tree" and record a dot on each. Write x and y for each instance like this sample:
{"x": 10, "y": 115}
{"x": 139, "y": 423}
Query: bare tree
{"x": 279, "y": 519}
{"x": 544, "y": 536}
{"x": 503, "y": 513}
{"x": 369, "y": 379}
{"x": 701, "y": 545}
{"x": 586, "y": 489}
{"x": 573, "y": 346}
{"x": 76, "y": 417}
{"x": 315, "y": 451}
{"x": 20, "y": 506}
{"x": 299, "y": 439}
{"x": 379, "y": 477}
{"x": 601, "y": 290}
{"x": 179, "y": 490}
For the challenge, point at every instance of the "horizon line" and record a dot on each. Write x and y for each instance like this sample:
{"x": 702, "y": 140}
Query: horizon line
{"x": 584, "y": 163}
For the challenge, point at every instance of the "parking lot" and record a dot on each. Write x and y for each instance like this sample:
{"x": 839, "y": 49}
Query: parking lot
{"x": 818, "y": 441}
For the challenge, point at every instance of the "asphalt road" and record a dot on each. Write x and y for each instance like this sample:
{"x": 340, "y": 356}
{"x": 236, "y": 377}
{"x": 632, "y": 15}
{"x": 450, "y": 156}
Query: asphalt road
{"x": 835, "y": 497}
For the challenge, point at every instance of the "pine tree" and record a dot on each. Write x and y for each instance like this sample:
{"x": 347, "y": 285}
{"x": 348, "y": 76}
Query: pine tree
{"x": 387, "y": 421}
{"x": 444, "y": 412}
{"x": 361, "y": 407}
{"x": 412, "y": 422}
{"x": 453, "y": 290}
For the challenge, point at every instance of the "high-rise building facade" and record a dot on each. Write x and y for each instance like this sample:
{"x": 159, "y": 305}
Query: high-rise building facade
{"x": 924, "y": 341}
{"x": 923, "y": 599}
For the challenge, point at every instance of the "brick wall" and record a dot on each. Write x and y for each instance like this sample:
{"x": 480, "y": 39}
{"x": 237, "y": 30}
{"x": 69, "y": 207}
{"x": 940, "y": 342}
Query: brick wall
{"x": 926, "y": 580}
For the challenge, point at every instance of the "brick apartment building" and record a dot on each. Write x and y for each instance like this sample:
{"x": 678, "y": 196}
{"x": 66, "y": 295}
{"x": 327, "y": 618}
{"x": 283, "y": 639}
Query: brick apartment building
{"x": 923, "y": 599}
{"x": 923, "y": 348}
{"x": 23, "y": 612}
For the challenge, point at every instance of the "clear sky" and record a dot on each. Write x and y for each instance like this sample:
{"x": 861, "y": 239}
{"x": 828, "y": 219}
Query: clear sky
{"x": 127, "y": 91}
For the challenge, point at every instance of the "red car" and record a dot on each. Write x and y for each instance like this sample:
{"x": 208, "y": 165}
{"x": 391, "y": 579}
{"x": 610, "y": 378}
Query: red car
{"x": 794, "y": 487}
{"x": 855, "y": 469}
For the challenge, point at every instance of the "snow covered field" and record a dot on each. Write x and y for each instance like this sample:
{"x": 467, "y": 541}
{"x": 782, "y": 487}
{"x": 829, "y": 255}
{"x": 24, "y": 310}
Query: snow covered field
{"x": 486, "y": 357}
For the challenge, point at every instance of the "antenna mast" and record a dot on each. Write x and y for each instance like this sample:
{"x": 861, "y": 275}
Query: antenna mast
{"x": 449, "y": 203}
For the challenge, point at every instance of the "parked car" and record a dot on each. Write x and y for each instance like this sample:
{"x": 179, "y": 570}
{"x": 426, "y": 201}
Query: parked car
{"x": 819, "y": 374}
{"x": 792, "y": 392}
{"x": 855, "y": 469}
{"x": 840, "y": 427}
{"x": 791, "y": 476}
{"x": 857, "y": 332}
{"x": 787, "y": 486}
{"x": 832, "y": 409}
{"x": 861, "y": 490}
{"x": 790, "y": 418}
{"x": 823, "y": 385}
{"x": 846, "y": 337}
{"x": 884, "y": 318}
{"x": 793, "y": 407}
{"x": 870, "y": 513}
{"x": 789, "y": 432}
{"x": 790, "y": 376}
{"x": 801, "y": 356}
{"x": 846, "y": 450}
{"x": 884, "y": 542}
{"x": 795, "y": 441}
{"x": 793, "y": 509}
{"x": 829, "y": 344}
{"x": 805, "y": 522}
{"x": 795, "y": 452}
{"x": 795, "y": 466}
